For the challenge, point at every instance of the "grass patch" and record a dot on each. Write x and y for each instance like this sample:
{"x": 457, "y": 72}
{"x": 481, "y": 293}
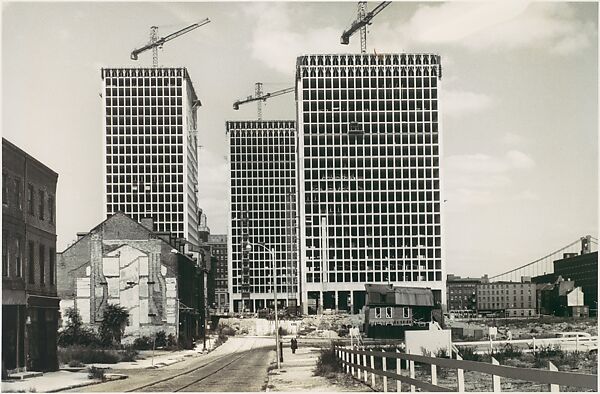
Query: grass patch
{"x": 78, "y": 355}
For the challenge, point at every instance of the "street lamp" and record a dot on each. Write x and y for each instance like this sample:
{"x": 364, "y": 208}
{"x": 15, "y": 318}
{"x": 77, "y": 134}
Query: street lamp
{"x": 249, "y": 248}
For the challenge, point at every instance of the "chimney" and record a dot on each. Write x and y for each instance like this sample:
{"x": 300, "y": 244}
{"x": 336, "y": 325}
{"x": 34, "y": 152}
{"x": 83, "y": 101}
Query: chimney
{"x": 81, "y": 235}
{"x": 147, "y": 222}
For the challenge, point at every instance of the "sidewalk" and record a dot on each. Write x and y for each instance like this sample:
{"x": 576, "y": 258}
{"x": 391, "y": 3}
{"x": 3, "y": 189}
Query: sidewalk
{"x": 297, "y": 375}
{"x": 64, "y": 380}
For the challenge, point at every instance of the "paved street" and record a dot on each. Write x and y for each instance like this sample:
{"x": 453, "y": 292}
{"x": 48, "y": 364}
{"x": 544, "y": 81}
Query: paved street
{"x": 239, "y": 365}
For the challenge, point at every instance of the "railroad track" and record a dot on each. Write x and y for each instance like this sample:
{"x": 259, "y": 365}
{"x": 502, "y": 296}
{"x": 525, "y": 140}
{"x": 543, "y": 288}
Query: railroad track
{"x": 187, "y": 383}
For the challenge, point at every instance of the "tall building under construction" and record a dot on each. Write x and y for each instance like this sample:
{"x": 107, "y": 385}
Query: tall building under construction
{"x": 150, "y": 147}
{"x": 263, "y": 194}
{"x": 369, "y": 142}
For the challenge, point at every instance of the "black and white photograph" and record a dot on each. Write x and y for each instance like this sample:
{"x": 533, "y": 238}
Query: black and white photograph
{"x": 315, "y": 196}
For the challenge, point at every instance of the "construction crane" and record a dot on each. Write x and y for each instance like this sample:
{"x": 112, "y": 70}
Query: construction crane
{"x": 156, "y": 42}
{"x": 260, "y": 97}
{"x": 364, "y": 19}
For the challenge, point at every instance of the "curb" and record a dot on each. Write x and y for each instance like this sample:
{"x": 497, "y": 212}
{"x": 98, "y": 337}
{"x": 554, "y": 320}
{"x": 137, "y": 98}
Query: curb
{"x": 74, "y": 386}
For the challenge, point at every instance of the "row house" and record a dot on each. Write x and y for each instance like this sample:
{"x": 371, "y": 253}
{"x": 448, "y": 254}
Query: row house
{"x": 29, "y": 298}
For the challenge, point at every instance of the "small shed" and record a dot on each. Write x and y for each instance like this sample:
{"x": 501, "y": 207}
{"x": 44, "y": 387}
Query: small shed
{"x": 390, "y": 310}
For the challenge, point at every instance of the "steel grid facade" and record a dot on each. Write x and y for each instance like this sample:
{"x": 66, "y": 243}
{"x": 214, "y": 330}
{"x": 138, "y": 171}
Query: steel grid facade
{"x": 150, "y": 158}
{"x": 369, "y": 175}
{"x": 262, "y": 210}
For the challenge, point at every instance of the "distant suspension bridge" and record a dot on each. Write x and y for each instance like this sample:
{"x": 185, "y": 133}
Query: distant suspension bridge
{"x": 545, "y": 265}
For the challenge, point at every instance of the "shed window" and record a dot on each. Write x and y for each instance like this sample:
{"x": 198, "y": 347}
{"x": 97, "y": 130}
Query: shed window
{"x": 378, "y": 313}
{"x": 405, "y": 313}
{"x": 388, "y": 312}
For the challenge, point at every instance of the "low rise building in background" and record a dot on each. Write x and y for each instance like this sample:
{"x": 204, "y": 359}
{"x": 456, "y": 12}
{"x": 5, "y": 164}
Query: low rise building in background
{"x": 462, "y": 295}
{"x": 218, "y": 244}
{"x": 507, "y": 299}
{"x": 124, "y": 262}
{"x": 583, "y": 270}
{"x": 562, "y": 298}
{"x": 29, "y": 300}
{"x": 391, "y": 310}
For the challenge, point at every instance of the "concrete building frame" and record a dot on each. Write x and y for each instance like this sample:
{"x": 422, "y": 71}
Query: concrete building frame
{"x": 150, "y": 147}
{"x": 370, "y": 197}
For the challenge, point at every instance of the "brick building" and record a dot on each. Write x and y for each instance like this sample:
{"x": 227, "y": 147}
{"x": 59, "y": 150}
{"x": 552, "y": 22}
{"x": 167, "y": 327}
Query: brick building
{"x": 462, "y": 294}
{"x": 124, "y": 262}
{"x": 218, "y": 244}
{"x": 583, "y": 270}
{"x": 29, "y": 299}
{"x": 507, "y": 299}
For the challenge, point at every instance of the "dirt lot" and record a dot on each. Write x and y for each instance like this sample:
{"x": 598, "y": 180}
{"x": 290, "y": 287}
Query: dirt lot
{"x": 543, "y": 327}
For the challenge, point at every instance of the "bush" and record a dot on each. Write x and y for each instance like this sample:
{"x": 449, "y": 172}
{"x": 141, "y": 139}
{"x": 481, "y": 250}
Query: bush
{"x": 75, "y": 333}
{"x": 327, "y": 362}
{"x": 142, "y": 343}
{"x": 96, "y": 373}
{"x": 508, "y": 351}
{"x": 87, "y": 355}
{"x": 226, "y": 330}
{"x": 77, "y": 355}
{"x": 129, "y": 353}
{"x": 161, "y": 339}
{"x": 114, "y": 320}
{"x": 468, "y": 353}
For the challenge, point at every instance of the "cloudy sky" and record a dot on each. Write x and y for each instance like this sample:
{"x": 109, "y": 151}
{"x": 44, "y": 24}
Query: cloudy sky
{"x": 520, "y": 102}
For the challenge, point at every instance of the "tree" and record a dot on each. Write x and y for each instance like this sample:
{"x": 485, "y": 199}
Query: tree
{"x": 114, "y": 320}
{"x": 75, "y": 333}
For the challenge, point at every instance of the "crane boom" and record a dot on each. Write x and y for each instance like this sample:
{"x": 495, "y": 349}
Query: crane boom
{"x": 262, "y": 97}
{"x": 361, "y": 22}
{"x": 161, "y": 41}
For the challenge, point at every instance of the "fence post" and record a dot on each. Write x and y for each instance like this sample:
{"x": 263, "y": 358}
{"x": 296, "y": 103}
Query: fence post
{"x": 373, "y": 372}
{"x": 412, "y": 374}
{"x": 495, "y": 378}
{"x": 358, "y": 366}
{"x": 554, "y": 388}
{"x": 347, "y": 357}
{"x": 460, "y": 377}
{"x": 533, "y": 345}
{"x": 577, "y": 343}
{"x": 352, "y": 362}
{"x": 365, "y": 372}
{"x": 433, "y": 372}
{"x": 384, "y": 366}
{"x": 399, "y": 372}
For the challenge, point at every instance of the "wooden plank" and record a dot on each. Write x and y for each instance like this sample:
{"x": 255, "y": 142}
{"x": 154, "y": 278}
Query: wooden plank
{"x": 460, "y": 377}
{"x": 554, "y": 388}
{"x": 373, "y": 373}
{"x": 426, "y": 386}
{"x": 433, "y": 374}
{"x": 496, "y": 379}
{"x": 365, "y": 373}
{"x": 527, "y": 374}
{"x": 384, "y": 366}
{"x": 412, "y": 375}
{"x": 399, "y": 372}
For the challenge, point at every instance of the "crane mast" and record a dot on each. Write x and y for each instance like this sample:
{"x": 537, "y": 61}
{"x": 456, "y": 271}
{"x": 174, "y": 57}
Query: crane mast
{"x": 156, "y": 42}
{"x": 364, "y": 18}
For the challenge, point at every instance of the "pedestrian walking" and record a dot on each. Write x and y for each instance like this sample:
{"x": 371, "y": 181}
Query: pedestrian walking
{"x": 294, "y": 345}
